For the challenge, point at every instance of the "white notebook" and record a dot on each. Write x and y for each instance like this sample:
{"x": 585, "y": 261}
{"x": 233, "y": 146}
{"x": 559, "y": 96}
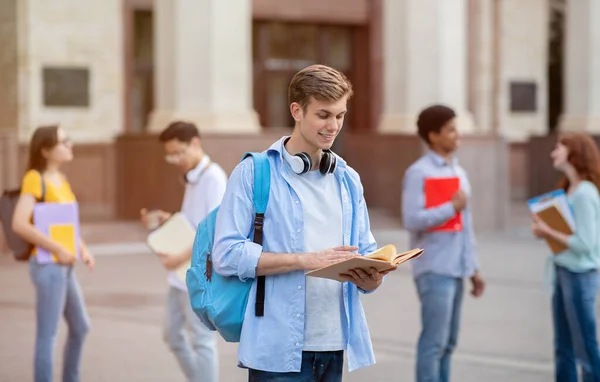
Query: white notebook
{"x": 173, "y": 237}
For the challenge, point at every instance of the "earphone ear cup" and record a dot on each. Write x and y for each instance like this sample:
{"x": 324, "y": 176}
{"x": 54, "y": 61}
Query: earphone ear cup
{"x": 333, "y": 163}
{"x": 328, "y": 162}
{"x": 306, "y": 162}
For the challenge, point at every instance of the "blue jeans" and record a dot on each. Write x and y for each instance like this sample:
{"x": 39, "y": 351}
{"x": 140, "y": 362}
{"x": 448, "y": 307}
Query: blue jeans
{"x": 441, "y": 301}
{"x": 316, "y": 367}
{"x": 574, "y": 316}
{"x": 194, "y": 346}
{"x": 57, "y": 294}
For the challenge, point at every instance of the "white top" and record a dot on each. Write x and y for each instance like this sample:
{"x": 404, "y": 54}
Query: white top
{"x": 325, "y": 325}
{"x": 204, "y": 190}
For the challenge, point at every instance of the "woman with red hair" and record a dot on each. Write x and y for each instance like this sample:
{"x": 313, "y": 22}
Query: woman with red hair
{"x": 576, "y": 268}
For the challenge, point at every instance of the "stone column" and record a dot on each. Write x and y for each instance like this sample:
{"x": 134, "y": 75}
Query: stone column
{"x": 484, "y": 64}
{"x": 203, "y": 57}
{"x": 9, "y": 97}
{"x": 425, "y": 61}
{"x": 582, "y": 64}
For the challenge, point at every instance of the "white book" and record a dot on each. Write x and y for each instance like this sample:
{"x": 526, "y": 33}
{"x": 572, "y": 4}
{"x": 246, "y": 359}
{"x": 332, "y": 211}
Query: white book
{"x": 173, "y": 237}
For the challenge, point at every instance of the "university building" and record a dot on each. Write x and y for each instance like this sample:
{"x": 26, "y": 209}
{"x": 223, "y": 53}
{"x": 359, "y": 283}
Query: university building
{"x": 114, "y": 73}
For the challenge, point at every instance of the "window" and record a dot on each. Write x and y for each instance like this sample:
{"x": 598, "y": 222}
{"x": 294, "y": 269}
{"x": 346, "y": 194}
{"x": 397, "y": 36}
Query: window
{"x": 142, "y": 96}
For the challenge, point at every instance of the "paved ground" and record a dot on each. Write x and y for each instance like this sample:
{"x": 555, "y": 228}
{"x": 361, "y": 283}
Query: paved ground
{"x": 506, "y": 335}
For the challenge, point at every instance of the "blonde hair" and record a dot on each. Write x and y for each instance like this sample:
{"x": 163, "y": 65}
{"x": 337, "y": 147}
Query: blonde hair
{"x": 320, "y": 82}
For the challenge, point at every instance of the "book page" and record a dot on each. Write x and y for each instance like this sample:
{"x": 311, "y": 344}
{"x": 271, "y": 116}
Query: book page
{"x": 386, "y": 253}
{"x": 408, "y": 255}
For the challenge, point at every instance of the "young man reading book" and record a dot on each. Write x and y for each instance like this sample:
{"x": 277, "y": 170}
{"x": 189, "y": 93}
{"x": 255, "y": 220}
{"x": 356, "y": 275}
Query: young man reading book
{"x": 436, "y": 212}
{"x": 316, "y": 215}
{"x": 194, "y": 346}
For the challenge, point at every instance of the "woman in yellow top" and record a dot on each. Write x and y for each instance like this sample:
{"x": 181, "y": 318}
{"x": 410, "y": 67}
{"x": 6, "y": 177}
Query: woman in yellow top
{"x": 57, "y": 289}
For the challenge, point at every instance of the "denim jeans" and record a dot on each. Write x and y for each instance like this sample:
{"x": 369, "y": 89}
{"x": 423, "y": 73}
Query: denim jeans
{"x": 574, "y": 316}
{"x": 441, "y": 301}
{"x": 316, "y": 367}
{"x": 57, "y": 294}
{"x": 194, "y": 346}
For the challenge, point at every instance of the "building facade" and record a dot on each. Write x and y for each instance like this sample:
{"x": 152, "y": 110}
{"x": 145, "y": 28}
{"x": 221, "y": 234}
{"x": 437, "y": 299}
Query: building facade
{"x": 113, "y": 73}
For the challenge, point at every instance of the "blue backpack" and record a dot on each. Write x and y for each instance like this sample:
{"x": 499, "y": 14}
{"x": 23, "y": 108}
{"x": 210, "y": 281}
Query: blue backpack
{"x": 220, "y": 301}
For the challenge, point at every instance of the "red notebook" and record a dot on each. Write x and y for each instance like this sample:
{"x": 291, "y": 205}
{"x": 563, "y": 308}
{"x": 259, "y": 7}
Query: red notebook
{"x": 439, "y": 191}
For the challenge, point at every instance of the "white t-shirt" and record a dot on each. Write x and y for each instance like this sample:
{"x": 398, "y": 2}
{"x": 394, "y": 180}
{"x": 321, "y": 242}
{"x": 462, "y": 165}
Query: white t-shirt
{"x": 204, "y": 190}
{"x": 324, "y": 316}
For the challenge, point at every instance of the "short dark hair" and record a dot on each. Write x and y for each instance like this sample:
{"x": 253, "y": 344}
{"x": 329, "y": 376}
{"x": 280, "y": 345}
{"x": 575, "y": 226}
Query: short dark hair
{"x": 180, "y": 130}
{"x": 432, "y": 119}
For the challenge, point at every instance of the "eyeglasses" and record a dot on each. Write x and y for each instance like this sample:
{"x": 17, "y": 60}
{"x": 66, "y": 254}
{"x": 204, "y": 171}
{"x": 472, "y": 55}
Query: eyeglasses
{"x": 175, "y": 157}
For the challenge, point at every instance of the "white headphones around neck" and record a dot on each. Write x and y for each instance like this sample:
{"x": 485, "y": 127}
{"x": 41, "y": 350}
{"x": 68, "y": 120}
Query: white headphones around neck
{"x": 301, "y": 162}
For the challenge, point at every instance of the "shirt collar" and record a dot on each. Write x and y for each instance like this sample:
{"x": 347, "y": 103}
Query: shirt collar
{"x": 286, "y": 156}
{"x": 441, "y": 161}
{"x": 193, "y": 175}
{"x": 278, "y": 148}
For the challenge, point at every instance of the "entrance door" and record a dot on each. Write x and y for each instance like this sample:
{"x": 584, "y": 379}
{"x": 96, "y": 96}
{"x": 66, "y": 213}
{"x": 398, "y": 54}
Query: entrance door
{"x": 281, "y": 49}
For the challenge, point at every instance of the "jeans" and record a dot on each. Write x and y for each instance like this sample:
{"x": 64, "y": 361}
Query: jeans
{"x": 574, "y": 316}
{"x": 441, "y": 301}
{"x": 316, "y": 367}
{"x": 194, "y": 346}
{"x": 57, "y": 294}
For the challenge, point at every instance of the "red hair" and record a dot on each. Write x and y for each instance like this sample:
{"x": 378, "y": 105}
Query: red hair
{"x": 583, "y": 156}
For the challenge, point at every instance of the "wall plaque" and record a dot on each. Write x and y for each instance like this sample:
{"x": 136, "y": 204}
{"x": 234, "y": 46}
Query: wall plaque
{"x": 66, "y": 86}
{"x": 523, "y": 96}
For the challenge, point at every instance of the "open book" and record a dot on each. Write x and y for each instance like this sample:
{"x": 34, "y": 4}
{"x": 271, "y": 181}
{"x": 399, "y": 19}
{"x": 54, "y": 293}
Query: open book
{"x": 382, "y": 259}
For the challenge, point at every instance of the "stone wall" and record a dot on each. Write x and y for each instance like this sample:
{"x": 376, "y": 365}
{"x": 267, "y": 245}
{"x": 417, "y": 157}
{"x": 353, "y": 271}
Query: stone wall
{"x": 523, "y": 53}
{"x": 72, "y": 34}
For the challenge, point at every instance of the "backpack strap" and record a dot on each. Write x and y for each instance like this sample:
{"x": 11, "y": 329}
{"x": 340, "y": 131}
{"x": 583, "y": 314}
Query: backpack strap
{"x": 262, "y": 185}
{"x": 43, "y": 189}
{"x": 43, "y": 196}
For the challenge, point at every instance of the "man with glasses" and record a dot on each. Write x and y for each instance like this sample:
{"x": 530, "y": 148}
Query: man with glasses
{"x": 192, "y": 343}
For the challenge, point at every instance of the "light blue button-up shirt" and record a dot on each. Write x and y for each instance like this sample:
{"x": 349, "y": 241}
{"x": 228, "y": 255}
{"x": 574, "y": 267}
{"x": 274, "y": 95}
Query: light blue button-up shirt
{"x": 274, "y": 341}
{"x": 446, "y": 253}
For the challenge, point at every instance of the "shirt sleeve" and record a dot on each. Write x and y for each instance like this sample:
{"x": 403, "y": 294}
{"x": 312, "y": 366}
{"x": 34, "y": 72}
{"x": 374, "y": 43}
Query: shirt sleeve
{"x": 234, "y": 254}
{"x": 586, "y": 225}
{"x": 32, "y": 184}
{"x": 473, "y": 241}
{"x": 366, "y": 240}
{"x": 415, "y": 216}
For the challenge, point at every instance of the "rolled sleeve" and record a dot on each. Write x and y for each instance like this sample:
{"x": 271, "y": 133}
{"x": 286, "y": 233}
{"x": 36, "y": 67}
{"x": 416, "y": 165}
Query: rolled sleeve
{"x": 249, "y": 261}
{"x": 234, "y": 254}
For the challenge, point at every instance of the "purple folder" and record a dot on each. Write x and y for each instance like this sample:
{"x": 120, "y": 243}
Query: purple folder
{"x": 46, "y": 215}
